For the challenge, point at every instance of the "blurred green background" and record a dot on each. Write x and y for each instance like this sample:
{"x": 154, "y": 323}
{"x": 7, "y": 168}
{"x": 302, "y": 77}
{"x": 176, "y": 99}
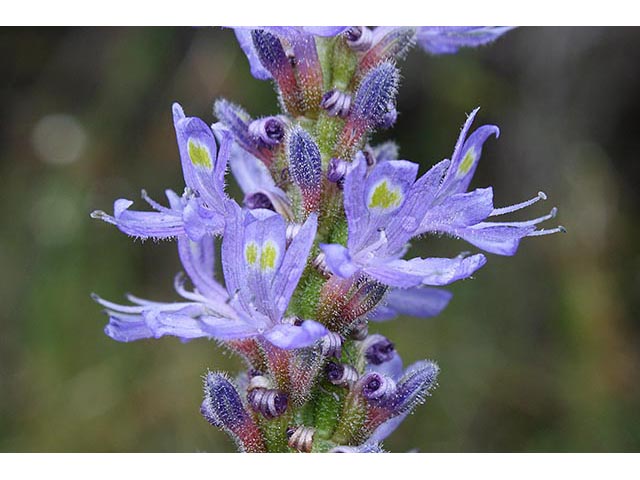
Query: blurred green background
{"x": 540, "y": 352}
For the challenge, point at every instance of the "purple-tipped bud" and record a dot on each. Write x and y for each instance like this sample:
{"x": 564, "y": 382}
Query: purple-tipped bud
{"x": 331, "y": 345}
{"x": 273, "y": 57}
{"x": 258, "y": 200}
{"x": 269, "y": 131}
{"x": 337, "y": 170}
{"x": 341, "y": 373}
{"x": 270, "y": 52}
{"x": 378, "y": 349}
{"x": 415, "y": 385}
{"x": 359, "y": 39}
{"x": 375, "y": 93}
{"x": 223, "y": 408}
{"x": 377, "y": 389}
{"x": 336, "y": 103}
{"x": 305, "y": 166}
{"x": 270, "y": 403}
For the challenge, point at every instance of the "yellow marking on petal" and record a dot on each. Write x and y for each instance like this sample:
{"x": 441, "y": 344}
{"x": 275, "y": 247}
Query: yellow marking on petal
{"x": 251, "y": 253}
{"x": 384, "y": 197}
{"x": 268, "y": 256}
{"x": 199, "y": 154}
{"x": 467, "y": 162}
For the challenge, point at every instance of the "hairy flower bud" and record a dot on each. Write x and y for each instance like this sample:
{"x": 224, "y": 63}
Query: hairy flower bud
{"x": 305, "y": 167}
{"x": 274, "y": 58}
{"x": 223, "y": 408}
{"x": 415, "y": 386}
{"x": 375, "y": 93}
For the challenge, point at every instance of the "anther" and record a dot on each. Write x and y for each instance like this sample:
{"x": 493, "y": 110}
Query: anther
{"x": 518, "y": 206}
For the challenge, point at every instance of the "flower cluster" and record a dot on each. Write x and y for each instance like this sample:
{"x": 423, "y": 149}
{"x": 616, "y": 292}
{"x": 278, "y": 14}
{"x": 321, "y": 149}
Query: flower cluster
{"x": 317, "y": 247}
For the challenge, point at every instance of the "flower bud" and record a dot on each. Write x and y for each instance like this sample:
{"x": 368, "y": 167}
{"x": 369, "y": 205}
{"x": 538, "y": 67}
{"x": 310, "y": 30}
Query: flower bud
{"x": 223, "y": 408}
{"x": 415, "y": 385}
{"x": 273, "y": 57}
{"x": 376, "y": 92}
{"x": 305, "y": 167}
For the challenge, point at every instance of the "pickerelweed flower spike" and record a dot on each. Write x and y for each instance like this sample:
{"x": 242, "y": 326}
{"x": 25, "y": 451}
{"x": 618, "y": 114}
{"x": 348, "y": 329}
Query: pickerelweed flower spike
{"x": 317, "y": 248}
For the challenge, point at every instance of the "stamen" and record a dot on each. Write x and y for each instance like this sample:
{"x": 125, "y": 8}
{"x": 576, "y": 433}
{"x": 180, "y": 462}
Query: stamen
{"x": 154, "y": 204}
{"x": 535, "y": 221}
{"x": 518, "y": 206}
{"x": 540, "y": 233}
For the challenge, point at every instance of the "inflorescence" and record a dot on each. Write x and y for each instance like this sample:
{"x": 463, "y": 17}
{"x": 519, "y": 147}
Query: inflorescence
{"x": 317, "y": 247}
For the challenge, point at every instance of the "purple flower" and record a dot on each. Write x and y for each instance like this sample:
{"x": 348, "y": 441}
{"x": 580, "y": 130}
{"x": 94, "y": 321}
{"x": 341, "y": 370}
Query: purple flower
{"x": 201, "y": 209}
{"x": 445, "y": 40}
{"x": 260, "y": 272}
{"x": 383, "y": 212}
{"x": 463, "y": 214}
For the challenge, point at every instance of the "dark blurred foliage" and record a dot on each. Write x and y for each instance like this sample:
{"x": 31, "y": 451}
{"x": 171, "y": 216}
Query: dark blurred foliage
{"x": 539, "y": 352}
